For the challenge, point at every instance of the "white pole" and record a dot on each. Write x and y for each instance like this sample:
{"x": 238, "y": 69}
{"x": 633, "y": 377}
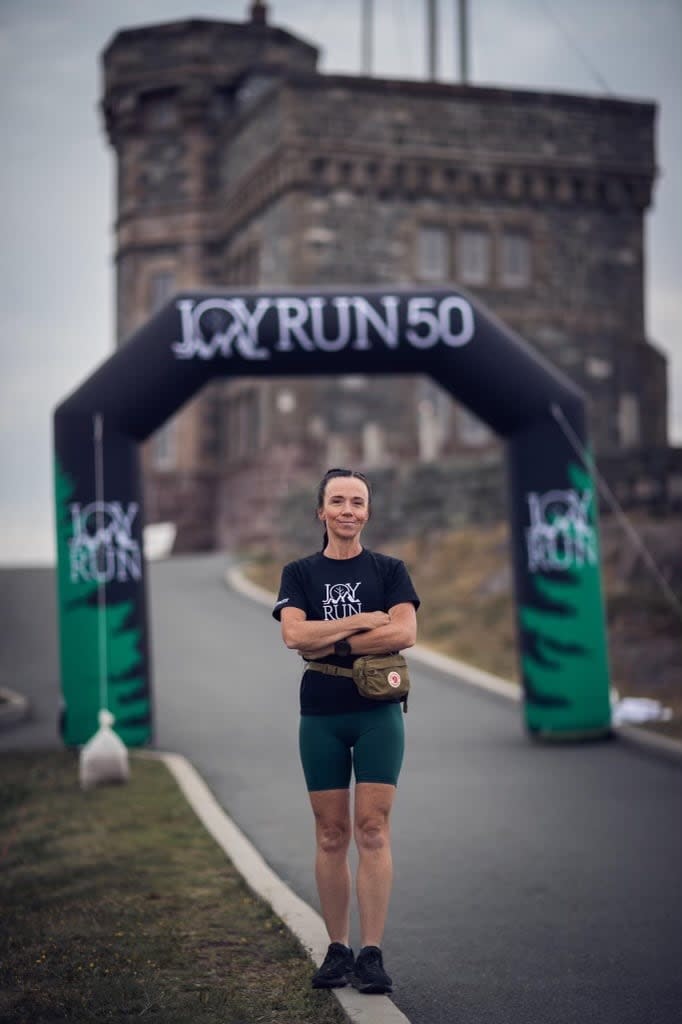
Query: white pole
{"x": 101, "y": 585}
{"x": 104, "y": 758}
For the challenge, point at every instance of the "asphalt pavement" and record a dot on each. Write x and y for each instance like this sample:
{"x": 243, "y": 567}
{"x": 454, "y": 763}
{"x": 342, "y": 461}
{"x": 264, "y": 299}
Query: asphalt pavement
{"x": 535, "y": 884}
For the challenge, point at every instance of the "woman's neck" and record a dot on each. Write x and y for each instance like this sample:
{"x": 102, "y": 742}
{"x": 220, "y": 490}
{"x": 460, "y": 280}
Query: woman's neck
{"x": 342, "y": 549}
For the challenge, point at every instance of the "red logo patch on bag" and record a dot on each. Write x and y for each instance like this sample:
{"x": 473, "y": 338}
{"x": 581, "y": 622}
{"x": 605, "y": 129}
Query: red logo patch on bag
{"x": 394, "y": 679}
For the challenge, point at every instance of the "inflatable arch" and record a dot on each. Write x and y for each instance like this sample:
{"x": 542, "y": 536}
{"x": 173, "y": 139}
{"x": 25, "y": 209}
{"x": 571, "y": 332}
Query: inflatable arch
{"x": 439, "y": 332}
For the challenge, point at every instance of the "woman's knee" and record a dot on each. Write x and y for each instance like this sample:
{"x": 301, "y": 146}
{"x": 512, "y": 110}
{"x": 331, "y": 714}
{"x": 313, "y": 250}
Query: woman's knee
{"x": 332, "y": 819}
{"x": 372, "y": 833}
{"x": 332, "y": 836}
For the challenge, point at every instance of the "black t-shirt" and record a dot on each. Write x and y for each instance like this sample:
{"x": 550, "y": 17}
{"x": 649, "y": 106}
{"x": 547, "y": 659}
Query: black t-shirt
{"x": 334, "y": 588}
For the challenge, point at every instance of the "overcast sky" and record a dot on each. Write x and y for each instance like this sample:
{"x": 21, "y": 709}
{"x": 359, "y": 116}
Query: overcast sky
{"x": 56, "y": 175}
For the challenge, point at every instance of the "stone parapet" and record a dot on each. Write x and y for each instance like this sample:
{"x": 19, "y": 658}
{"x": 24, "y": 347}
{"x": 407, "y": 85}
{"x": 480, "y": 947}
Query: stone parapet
{"x": 195, "y": 50}
{"x": 476, "y": 123}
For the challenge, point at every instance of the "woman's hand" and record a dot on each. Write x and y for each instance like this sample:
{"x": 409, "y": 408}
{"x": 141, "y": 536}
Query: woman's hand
{"x": 397, "y": 634}
{"x": 371, "y": 620}
{"x": 301, "y": 634}
{"x": 362, "y": 625}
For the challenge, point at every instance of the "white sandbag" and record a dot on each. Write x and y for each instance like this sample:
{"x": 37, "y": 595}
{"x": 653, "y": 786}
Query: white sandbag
{"x": 104, "y": 758}
{"x": 158, "y": 539}
{"x": 636, "y": 710}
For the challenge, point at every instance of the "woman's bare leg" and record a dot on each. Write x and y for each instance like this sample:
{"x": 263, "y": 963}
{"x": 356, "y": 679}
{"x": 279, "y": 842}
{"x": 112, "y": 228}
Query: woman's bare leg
{"x": 373, "y": 802}
{"x": 331, "y": 808}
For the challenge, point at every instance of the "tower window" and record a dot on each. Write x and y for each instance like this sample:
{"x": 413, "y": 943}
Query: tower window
{"x": 160, "y": 112}
{"x": 432, "y": 254}
{"x": 473, "y": 256}
{"x": 628, "y": 420}
{"x": 243, "y": 425}
{"x": 515, "y": 259}
{"x": 161, "y": 287}
{"x": 164, "y": 446}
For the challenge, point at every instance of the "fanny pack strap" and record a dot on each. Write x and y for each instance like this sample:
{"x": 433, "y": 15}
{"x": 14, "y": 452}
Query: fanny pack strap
{"x": 329, "y": 670}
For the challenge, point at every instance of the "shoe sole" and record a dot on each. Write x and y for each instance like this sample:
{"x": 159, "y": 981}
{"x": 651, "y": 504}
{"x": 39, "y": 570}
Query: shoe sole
{"x": 371, "y": 989}
{"x": 341, "y": 983}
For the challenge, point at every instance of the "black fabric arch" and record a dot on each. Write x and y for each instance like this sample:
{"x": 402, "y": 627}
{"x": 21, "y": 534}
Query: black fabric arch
{"x": 439, "y": 332}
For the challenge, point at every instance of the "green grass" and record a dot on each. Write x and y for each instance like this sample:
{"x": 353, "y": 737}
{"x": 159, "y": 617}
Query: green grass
{"x": 116, "y": 904}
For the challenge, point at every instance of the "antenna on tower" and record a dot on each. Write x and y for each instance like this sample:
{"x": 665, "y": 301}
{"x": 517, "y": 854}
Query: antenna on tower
{"x": 463, "y": 39}
{"x": 432, "y": 18}
{"x": 367, "y": 31}
{"x": 258, "y": 13}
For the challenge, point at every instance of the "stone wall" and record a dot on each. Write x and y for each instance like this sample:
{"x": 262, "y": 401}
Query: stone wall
{"x": 573, "y": 173}
{"x": 429, "y": 119}
{"x": 188, "y": 500}
{"x": 422, "y": 501}
{"x": 413, "y": 500}
{"x": 649, "y": 479}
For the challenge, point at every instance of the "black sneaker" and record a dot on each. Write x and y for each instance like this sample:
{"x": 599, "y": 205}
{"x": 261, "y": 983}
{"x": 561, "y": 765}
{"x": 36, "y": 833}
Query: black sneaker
{"x": 336, "y": 967}
{"x": 369, "y": 975}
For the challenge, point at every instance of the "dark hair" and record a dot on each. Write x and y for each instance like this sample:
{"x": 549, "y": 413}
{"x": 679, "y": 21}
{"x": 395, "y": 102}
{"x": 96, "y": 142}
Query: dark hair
{"x": 330, "y": 475}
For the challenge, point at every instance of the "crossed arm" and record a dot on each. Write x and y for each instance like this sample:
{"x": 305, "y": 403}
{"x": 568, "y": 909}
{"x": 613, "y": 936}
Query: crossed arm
{"x": 367, "y": 632}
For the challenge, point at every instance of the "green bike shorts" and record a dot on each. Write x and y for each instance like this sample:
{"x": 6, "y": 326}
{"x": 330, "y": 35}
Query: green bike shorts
{"x": 371, "y": 743}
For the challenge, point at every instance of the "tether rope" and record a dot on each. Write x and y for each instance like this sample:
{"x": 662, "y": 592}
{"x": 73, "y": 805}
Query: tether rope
{"x": 572, "y": 42}
{"x": 101, "y": 585}
{"x": 616, "y": 507}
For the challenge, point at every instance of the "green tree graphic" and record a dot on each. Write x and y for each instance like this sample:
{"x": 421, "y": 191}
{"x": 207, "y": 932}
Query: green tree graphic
{"x": 127, "y": 690}
{"x": 564, "y": 659}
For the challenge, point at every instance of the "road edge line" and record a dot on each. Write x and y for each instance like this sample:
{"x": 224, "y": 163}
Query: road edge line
{"x": 300, "y": 918}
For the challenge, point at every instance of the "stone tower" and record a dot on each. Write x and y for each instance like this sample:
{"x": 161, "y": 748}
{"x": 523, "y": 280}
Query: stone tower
{"x": 240, "y": 164}
{"x": 173, "y": 94}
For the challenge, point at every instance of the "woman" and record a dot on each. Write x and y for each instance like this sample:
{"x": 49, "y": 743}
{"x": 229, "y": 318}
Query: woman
{"x": 342, "y": 602}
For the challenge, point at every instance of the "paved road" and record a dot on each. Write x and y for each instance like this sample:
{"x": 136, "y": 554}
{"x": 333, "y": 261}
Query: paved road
{"x": 533, "y": 885}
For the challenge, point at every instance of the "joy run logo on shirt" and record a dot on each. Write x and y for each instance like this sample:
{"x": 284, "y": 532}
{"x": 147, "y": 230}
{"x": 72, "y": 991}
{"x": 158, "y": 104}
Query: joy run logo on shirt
{"x": 341, "y": 600}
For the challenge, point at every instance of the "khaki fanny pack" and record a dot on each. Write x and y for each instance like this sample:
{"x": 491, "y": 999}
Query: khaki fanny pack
{"x": 377, "y": 676}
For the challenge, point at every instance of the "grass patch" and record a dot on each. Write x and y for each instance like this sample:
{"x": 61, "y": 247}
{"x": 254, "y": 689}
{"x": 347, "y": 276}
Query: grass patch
{"x": 116, "y": 903}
